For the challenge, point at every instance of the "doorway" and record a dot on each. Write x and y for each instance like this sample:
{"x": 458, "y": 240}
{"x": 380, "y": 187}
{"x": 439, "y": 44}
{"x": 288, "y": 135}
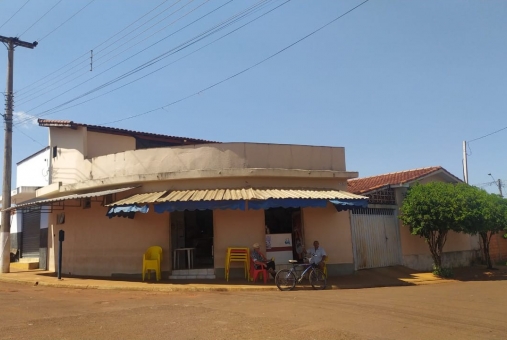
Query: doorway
{"x": 193, "y": 229}
{"x": 284, "y": 234}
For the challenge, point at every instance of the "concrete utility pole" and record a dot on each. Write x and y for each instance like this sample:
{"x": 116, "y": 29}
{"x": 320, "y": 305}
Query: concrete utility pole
{"x": 500, "y": 187}
{"x": 5, "y": 229}
{"x": 465, "y": 162}
{"x": 498, "y": 183}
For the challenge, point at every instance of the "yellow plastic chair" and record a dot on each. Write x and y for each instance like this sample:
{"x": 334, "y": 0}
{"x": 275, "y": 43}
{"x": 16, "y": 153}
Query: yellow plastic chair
{"x": 151, "y": 261}
{"x": 237, "y": 255}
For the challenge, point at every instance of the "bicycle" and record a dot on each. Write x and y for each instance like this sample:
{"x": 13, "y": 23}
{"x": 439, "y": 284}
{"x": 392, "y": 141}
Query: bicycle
{"x": 286, "y": 279}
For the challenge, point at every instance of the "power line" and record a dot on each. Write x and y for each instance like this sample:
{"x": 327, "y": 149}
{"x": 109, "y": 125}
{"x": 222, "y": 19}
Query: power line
{"x": 36, "y": 141}
{"x": 12, "y": 16}
{"x": 172, "y": 23}
{"x": 180, "y": 47}
{"x": 52, "y": 111}
{"x": 238, "y": 73}
{"x": 489, "y": 134}
{"x": 87, "y": 52}
{"x": 40, "y": 18}
{"x": 63, "y": 23}
{"x": 31, "y": 97}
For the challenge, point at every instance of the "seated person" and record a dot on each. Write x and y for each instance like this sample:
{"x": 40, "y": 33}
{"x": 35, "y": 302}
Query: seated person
{"x": 318, "y": 255}
{"x": 260, "y": 260}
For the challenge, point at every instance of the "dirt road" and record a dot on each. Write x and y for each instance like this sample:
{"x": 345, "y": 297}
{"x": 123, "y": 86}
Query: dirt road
{"x": 465, "y": 310}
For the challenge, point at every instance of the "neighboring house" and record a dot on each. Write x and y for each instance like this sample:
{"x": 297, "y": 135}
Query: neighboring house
{"x": 498, "y": 248}
{"x": 29, "y": 228}
{"x": 187, "y": 193}
{"x": 380, "y": 239}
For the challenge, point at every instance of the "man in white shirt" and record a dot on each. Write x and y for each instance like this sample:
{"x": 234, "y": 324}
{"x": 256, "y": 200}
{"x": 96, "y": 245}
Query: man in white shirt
{"x": 318, "y": 255}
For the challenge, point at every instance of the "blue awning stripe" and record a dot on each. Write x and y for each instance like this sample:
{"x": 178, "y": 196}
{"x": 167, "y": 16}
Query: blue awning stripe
{"x": 127, "y": 211}
{"x": 342, "y": 205}
{"x": 287, "y": 203}
{"x": 199, "y": 205}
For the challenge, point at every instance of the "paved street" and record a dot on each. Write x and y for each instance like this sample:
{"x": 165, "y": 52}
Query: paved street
{"x": 462, "y": 310}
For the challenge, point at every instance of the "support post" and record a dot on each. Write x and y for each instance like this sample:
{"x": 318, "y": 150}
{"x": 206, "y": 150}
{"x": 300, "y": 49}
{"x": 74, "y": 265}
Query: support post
{"x": 465, "y": 162}
{"x": 5, "y": 228}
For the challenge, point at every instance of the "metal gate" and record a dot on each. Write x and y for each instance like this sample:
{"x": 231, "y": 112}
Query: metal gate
{"x": 376, "y": 238}
{"x": 31, "y": 234}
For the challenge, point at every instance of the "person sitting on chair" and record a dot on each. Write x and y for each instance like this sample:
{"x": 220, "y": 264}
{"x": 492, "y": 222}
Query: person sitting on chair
{"x": 318, "y": 255}
{"x": 260, "y": 260}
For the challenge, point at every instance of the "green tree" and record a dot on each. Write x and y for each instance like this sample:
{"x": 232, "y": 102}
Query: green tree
{"x": 432, "y": 210}
{"x": 488, "y": 217}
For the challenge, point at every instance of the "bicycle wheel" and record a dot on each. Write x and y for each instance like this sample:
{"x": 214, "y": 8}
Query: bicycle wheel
{"x": 285, "y": 280}
{"x": 317, "y": 279}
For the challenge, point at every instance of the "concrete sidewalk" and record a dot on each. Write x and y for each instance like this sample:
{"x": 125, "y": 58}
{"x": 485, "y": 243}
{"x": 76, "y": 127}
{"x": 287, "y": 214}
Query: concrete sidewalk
{"x": 380, "y": 277}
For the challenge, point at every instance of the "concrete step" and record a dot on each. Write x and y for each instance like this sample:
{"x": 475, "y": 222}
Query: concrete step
{"x": 25, "y": 265}
{"x": 29, "y": 259}
{"x": 185, "y": 274}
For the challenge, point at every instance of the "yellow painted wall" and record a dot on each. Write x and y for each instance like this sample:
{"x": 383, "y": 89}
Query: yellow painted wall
{"x": 98, "y": 246}
{"x": 332, "y": 230}
{"x": 236, "y": 228}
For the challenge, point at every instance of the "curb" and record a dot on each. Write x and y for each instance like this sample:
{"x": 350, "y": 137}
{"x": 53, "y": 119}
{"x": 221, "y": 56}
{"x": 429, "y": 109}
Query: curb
{"x": 171, "y": 287}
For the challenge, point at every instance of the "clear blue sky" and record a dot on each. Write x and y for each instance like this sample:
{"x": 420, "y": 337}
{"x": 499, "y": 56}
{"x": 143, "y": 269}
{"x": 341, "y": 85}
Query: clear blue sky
{"x": 399, "y": 84}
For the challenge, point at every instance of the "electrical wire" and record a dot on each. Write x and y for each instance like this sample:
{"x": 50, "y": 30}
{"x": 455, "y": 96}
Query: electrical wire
{"x": 164, "y": 107}
{"x": 188, "y": 43}
{"x": 36, "y": 141}
{"x": 33, "y": 96}
{"x": 26, "y": 97}
{"x": 52, "y": 111}
{"x": 63, "y": 23}
{"x": 40, "y": 18}
{"x": 12, "y": 16}
{"x": 86, "y": 53}
{"x": 163, "y": 28}
{"x": 489, "y": 134}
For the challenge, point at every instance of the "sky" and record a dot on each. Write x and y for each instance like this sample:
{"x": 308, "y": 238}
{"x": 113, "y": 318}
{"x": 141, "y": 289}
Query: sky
{"x": 399, "y": 84}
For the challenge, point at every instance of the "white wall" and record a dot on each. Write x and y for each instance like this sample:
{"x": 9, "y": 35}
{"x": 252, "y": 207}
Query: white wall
{"x": 33, "y": 172}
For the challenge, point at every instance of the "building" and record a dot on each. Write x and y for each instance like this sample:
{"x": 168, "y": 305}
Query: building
{"x": 380, "y": 239}
{"x": 180, "y": 193}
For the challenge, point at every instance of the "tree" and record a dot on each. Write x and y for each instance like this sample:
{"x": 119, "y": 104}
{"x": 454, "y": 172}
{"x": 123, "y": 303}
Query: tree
{"x": 488, "y": 217}
{"x": 432, "y": 210}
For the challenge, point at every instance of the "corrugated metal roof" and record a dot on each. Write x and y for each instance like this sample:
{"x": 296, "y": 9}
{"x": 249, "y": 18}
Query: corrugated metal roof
{"x": 236, "y": 194}
{"x": 98, "y": 128}
{"x": 139, "y": 199}
{"x": 71, "y": 197}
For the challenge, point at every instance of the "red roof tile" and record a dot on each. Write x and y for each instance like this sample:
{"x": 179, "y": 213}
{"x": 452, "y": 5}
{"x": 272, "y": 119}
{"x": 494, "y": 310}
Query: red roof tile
{"x": 105, "y": 129}
{"x": 367, "y": 184}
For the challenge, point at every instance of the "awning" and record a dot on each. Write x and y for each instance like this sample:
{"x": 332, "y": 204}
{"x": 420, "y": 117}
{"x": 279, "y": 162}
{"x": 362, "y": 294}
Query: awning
{"x": 242, "y": 199}
{"x": 128, "y": 211}
{"x": 51, "y": 201}
{"x": 199, "y": 205}
{"x": 342, "y": 205}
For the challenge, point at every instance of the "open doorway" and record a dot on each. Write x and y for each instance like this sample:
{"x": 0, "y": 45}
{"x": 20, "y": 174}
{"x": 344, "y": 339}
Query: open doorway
{"x": 284, "y": 234}
{"x": 193, "y": 229}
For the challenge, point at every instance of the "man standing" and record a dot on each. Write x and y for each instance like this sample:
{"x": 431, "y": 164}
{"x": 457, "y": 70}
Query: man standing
{"x": 318, "y": 255}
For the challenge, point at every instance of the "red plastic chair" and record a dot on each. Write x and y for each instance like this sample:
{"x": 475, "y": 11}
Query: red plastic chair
{"x": 255, "y": 272}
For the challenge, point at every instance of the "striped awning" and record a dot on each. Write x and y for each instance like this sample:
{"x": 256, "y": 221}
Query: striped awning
{"x": 178, "y": 200}
{"x": 235, "y": 194}
{"x": 50, "y": 201}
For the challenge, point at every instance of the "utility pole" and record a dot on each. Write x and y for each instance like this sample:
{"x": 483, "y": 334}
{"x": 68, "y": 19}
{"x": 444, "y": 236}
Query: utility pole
{"x": 5, "y": 229}
{"x": 498, "y": 183}
{"x": 465, "y": 162}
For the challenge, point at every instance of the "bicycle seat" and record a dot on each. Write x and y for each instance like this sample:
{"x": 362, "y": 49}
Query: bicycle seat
{"x": 293, "y": 261}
